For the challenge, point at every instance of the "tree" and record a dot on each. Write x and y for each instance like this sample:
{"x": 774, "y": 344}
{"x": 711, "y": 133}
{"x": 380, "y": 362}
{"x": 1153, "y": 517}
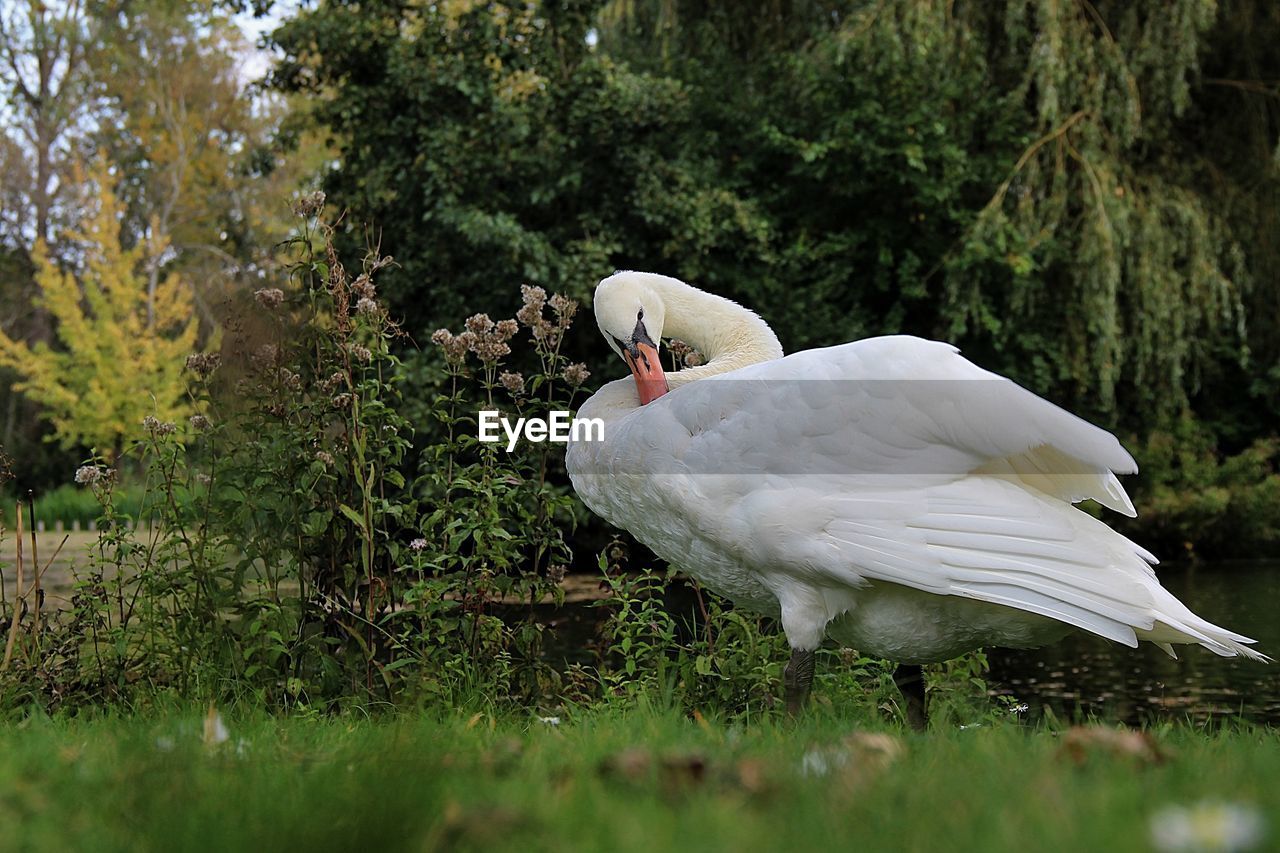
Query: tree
{"x": 1081, "y": 195}
{"x": 157, "y": 84}
{"x": 1025, "y": 179}
{"x": 491, "y": 146}
{"x": 44, "y": 86}
{"x": 192, "y": 141}
{"x": 120, "y": 358}
{"x": 42, "y": 47}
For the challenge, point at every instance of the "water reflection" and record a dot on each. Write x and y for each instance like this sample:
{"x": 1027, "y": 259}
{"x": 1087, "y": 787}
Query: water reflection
{"x": 1087, "y": 675}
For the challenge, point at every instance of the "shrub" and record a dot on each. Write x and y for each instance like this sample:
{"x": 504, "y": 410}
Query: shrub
{"x": 70, "y": 503}
{"x": 1193, "y": 500}
{"x": 284, "y": 550}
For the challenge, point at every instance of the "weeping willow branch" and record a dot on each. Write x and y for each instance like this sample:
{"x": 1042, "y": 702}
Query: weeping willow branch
{"x": 1057, "y": 133}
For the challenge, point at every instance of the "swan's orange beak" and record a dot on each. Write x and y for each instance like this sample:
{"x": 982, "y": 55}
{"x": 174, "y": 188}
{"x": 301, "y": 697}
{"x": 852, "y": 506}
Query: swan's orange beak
{"x": 647, "y": 369}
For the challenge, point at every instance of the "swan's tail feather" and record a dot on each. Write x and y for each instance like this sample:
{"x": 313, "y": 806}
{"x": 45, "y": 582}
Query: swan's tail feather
{"x": 1226, "y": 648}
{"x": 1175, "y": 623}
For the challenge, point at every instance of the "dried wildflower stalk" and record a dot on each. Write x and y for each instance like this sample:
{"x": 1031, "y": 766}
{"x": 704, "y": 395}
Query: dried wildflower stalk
{"x": 270, "y": 298}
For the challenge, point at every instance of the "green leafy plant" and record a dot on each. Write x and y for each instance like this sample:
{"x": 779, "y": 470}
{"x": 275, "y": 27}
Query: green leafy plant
{"x": 279, "y": 548}
{"x": 496, "y": 521}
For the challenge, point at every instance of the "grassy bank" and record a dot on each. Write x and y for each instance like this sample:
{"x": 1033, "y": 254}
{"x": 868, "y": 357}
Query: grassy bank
{"x": 632, "y": 780}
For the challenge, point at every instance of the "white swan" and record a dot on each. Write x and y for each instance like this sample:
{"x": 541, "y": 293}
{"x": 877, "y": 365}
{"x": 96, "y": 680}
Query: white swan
{"x": 887, "y": 492}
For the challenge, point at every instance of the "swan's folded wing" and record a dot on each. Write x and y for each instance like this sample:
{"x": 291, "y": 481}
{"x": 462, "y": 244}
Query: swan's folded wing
{"x": 990, "y": 540}
{"x": 894, "y": 406}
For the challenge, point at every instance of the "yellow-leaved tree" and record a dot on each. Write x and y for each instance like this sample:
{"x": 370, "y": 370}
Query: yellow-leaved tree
{"x": 121, "y": 344}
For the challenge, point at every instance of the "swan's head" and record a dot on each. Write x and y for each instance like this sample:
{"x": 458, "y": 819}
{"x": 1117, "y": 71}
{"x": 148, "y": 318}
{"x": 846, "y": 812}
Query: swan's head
{"x": 631, "y": 314}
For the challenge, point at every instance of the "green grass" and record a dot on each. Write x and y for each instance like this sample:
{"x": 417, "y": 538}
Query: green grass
{"x": 605, "y": 780}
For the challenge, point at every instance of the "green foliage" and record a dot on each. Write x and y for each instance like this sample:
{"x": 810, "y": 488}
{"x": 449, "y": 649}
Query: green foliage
{"x": 276, "y": 550}
{"x": 1198, "y": 501}
{"x": 696, "y": 653}
{"x": 1098, "y": 215}
{"x": 711, "y": 657}
{"x": 68, "y": 504}
{"x": 230, "y": 584}
{"x": 495, "y": 521}
{"x": 283, "y": 551}
{"x": 492, "y": 145}
{"x": 1030, "y": 180}
{"x": 1012, "y": 177}
{"x": 849, "y": 141}
{"x": 306, "y": 486}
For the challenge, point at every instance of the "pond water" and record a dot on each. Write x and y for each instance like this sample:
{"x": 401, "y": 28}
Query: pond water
{"x": 1085, "y": 674}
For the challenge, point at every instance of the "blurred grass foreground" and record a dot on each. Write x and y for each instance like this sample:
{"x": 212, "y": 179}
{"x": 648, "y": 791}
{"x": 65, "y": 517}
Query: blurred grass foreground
{"x": 626, "y": 780}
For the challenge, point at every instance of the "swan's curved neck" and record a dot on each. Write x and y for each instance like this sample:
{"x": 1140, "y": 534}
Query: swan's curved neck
{"x": 728, "y": 335}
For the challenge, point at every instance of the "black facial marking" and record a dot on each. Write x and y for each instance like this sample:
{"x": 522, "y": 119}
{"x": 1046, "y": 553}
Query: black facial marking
{"x": 641, "y": 335}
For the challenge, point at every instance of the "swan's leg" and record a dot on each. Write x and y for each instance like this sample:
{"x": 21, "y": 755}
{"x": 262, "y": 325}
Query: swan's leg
{"x": 797, "y": 680}
{"x": 910, "y": 680}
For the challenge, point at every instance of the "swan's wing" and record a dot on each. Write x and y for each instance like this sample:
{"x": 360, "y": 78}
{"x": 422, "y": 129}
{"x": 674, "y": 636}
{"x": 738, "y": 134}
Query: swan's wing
{"x": 895, "y": 405}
